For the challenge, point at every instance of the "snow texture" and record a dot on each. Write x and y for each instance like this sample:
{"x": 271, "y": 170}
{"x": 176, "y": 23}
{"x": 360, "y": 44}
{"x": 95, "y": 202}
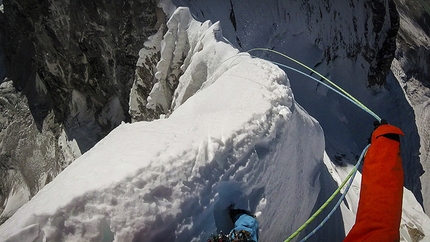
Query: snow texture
{"x": 235, "y": 135}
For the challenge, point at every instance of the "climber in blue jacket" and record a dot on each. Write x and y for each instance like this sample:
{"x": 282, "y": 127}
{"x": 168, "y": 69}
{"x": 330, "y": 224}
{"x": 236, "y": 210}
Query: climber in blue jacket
{"x": 245, "y": 227}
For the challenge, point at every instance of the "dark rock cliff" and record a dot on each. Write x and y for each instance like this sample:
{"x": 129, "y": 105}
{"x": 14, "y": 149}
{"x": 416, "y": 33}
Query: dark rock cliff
{"x": 84, "y": 53}
{"x": 73, "y": 64}
{"x": 415, "y": 48}
{"x": 381, "y": 63}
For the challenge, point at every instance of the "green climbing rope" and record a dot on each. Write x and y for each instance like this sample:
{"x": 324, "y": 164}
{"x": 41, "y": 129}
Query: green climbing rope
{"x": 358, "y": 103}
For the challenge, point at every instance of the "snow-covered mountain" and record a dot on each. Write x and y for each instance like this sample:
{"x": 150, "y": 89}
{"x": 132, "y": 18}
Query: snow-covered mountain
{"x": 411, "y": 69}
{"x": 351, "y": 43}
{"x": 239, "y": 136}
{"x": 228, "y": 128}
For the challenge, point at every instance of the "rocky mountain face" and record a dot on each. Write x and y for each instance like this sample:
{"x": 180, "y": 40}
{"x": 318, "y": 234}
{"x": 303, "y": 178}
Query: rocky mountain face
{"x": 72, "y": 65}
{"x": 352, "y": 29}
{"x": 411, "y": 67}
{"x": 30, "y": 158}
{"x": 79, "y": 68}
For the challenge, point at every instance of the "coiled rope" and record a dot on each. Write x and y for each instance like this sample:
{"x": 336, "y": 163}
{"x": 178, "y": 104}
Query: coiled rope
{"x": 353, "y": 172}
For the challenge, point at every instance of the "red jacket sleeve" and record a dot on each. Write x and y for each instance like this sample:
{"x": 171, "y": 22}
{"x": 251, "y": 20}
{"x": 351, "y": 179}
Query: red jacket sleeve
{"x": 380, "y": 205}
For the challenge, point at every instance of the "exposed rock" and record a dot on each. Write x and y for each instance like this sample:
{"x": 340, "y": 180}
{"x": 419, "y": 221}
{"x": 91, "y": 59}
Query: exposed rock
{"x": 73, "y": 64}
{"x": 411, "y": 68}
{"x": 146, "y": 69}
{"x": 380, "y": 65}
{"x": 29, "y": 158}
{"x": 378, "y": 44}
{"x": 85, "y": 53}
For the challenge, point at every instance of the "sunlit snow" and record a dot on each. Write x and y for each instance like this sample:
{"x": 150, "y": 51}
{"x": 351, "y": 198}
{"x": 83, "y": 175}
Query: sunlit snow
{"x": 235, "y": 135}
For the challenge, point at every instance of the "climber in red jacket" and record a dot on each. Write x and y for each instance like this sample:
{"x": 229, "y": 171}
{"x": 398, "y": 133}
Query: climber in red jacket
{"x": 380, "y": 205}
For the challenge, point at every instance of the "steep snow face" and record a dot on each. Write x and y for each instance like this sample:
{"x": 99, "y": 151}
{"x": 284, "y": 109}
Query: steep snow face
{"x": 349, "y": 29}
{"x": 350, "y": 42}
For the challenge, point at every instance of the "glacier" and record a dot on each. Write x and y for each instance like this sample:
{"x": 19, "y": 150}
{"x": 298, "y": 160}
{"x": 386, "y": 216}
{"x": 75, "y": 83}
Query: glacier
{"x": 235, "y": 134}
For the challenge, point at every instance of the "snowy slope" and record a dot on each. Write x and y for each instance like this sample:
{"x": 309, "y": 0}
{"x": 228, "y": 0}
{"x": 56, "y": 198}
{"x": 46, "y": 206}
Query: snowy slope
{"x": 235, "y": 134}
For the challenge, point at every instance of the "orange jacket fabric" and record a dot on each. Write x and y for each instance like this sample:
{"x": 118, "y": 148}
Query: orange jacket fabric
{"x": 380, "y": 205}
